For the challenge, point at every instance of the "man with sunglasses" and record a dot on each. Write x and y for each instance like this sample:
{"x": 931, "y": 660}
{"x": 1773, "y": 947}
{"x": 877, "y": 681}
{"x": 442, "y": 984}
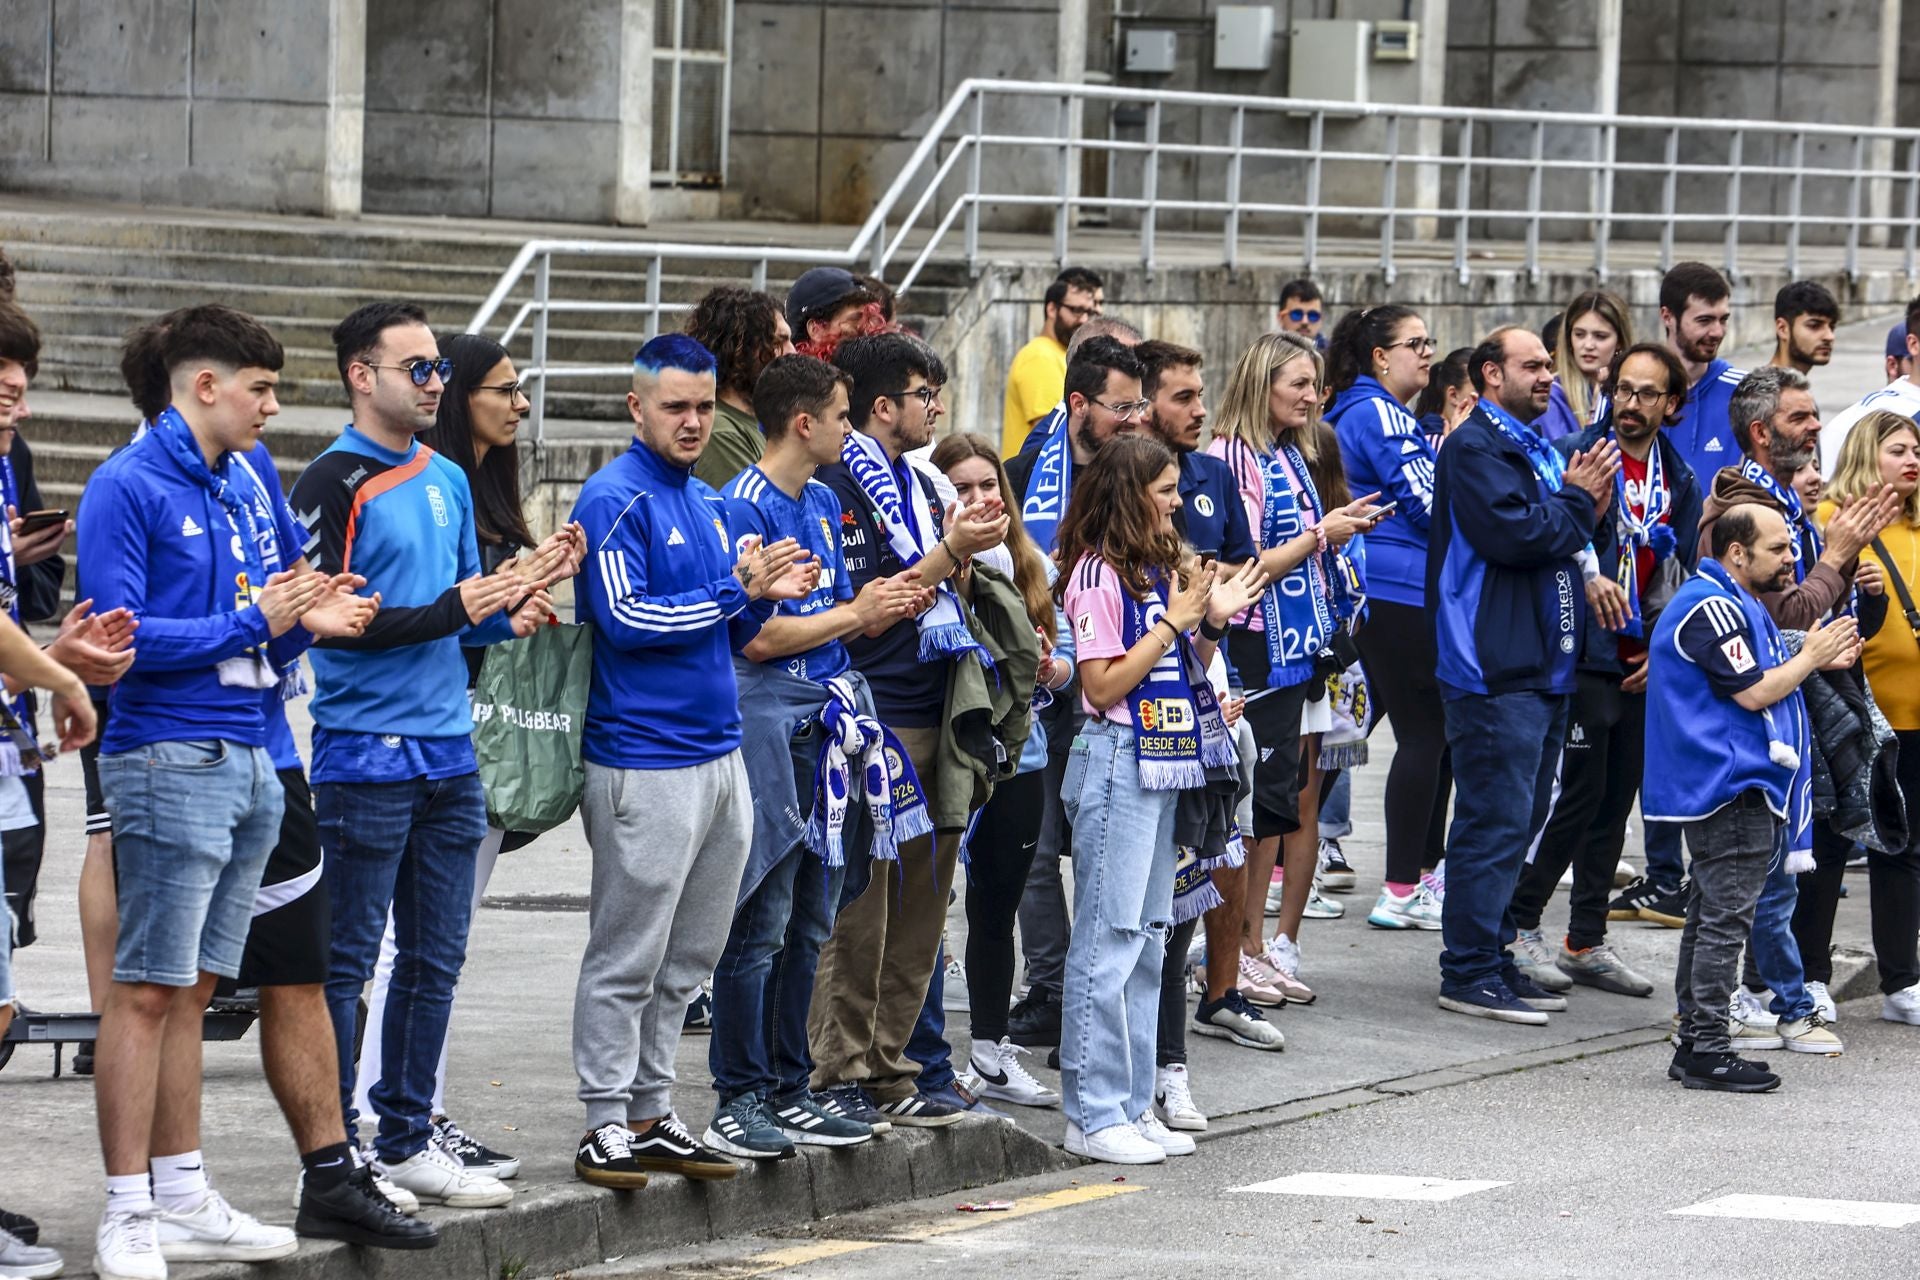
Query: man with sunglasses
{"x": 395, "y": 784}
{"x": 1033, "y": 380}
{"x": 1302, "y": 312}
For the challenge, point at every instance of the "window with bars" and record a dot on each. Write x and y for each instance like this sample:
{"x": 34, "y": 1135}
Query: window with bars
{"x": 692, "y": 84}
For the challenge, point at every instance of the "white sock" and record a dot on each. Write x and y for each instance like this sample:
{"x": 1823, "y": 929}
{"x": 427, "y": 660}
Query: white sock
{"x": 129, "y": 1193}
{"x": 179, "y": 1182}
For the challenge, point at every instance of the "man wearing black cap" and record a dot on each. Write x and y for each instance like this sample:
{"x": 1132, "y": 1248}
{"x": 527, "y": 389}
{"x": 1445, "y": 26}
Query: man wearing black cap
{"x": 826, "y": 307}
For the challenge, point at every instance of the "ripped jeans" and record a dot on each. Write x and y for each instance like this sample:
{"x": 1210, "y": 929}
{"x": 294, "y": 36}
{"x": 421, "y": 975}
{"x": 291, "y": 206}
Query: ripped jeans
{"x": 1123, "y": 861}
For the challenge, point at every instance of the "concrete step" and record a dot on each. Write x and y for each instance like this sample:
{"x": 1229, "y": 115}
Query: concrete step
{"x": 56, "y": 463}
{"x": 113, "y": 288}
{"x": 292, "y": 238}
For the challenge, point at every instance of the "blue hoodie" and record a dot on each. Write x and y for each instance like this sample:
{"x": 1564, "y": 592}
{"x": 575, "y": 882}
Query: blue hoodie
{"x": 157, "y": 542}
{"x": 1384, "y": 451}
{"x": 1507, "y": 593}
{"x": 1705, "y": 435}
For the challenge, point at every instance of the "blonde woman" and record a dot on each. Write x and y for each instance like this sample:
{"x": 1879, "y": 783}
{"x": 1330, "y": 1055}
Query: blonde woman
{"x": 1884, "y": 449}
{"x": 1592, "y": 329}
{"x": 1265, "y": 430}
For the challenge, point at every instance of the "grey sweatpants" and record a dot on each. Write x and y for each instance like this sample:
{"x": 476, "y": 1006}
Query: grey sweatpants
{"x": 1732, "y": 848}
{"x": 669, "y": 847}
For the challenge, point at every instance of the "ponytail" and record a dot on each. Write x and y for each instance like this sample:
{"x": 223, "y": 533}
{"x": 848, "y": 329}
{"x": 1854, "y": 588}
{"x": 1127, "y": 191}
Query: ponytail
{"x": 1350, "y": 349}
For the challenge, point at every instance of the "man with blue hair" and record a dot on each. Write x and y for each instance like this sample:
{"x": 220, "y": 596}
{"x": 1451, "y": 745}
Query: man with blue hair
{"x": 666, "y": 805}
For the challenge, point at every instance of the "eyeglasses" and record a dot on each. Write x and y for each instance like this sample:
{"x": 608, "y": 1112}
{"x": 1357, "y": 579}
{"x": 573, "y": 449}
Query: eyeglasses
{"x": 1302, "y": 315}
{"x": 1418, "y": 346}
{"x": 511, "y": 390}
{"x": 925, "y": 395}
{"x": 421, "y": 371}
{"x": 1126, "y": 412}
{"x": 1080, "y": 312}
{"x": 1640, "y": 395}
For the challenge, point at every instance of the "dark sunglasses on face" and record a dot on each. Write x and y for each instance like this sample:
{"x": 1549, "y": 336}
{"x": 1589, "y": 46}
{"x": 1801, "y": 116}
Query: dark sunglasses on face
{"x": 1302, "y": 315}
{"x": 421, "y": 371}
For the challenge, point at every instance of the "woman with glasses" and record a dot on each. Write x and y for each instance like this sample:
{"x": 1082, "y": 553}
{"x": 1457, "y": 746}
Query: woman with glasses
{"x": 1266, "y": 432}
{"x": 1379, "y": 361}
{"x": 477, "y": 428}
{"x": 1592, "y": 329}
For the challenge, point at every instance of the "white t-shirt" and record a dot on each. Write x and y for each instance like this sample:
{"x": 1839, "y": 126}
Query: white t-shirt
{"x": 16, "y": 808}
{"x": 1900, "y": 396}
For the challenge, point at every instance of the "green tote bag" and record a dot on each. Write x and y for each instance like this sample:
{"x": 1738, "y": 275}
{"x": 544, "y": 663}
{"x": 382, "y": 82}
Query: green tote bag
{"x": 529, "y": 708}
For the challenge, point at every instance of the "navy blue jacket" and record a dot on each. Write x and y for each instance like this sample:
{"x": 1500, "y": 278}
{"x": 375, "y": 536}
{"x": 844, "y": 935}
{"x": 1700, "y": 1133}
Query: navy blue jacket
{"x": 1506, "y": 593}
{"x": 1600, "y": 648}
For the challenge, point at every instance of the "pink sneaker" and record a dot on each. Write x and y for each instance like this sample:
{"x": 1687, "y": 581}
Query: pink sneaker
{"x": 1258, "y": 982}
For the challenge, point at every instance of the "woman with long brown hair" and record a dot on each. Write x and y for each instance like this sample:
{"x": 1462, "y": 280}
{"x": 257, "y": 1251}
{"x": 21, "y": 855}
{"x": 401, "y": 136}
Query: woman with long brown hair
{"x": 1592, "y": 329}
{"x": 1146, "y": 616}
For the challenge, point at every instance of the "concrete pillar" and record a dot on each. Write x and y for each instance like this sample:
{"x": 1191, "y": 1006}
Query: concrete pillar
{"x": 633, "y": 176}
{"x": 1880, "y": 152}
{"x": 1071, "y": 68}
{"x": 346, "y": 55}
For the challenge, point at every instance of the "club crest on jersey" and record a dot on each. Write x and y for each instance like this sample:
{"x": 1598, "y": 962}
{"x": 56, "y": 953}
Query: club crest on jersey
{"x": 438, "y": 504}
{"x": 1203, "y": 504}
{"x": 826, "y": 532}
{"x": 742, "y": 543}
{"x": 721, "y": 529}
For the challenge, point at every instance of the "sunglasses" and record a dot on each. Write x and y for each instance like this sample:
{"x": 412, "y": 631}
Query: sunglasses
{"x": 421, "y": 371}
{"x": 1303, "y": 315}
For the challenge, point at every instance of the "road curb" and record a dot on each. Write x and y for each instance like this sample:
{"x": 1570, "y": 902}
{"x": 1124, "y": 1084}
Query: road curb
{"x": 560, "y": 1226}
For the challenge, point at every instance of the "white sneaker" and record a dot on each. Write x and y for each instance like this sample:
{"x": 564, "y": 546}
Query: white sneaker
{"x": 1275, "y": 891}
{"x": 1150, "y": 1128}
{"x": 1321, "y": 907}
{"x": 1115, "y": 1144}
{"x": 1173, "y": 1102}
{"x": 127, "y": 1247}
{"x": 1902, "y": 1006}
{"x": 1536, "y": 959}
{"x": 215, "y": 1231}
{"x": 1822, "y": 1001}
{"x": 435, "y": 1177}
{"x": 1624, "y": 874}
{"x": 1810, "y": 1035}
{"x": 1003, "y": 1076}
{"x": 1417, "y": 910}
{"x": 22, "y": 1261}
{"x": 1751, "y": 1007}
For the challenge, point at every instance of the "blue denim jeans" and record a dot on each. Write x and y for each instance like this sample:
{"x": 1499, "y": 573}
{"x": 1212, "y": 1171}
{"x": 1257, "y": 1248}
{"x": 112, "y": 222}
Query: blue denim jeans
{"x": 409, "y": 846}
{"x": 1775, "y": 951}
{"x": 193, "y": 823}
{"x": 1666, "y": 864}
{"x": 1505, "y": 748}
{"x": 1123, "y": 863}
{"x": 764, "y": 981}
{"x": 1336, "y": 808}
{"x": 929, "y": 1046}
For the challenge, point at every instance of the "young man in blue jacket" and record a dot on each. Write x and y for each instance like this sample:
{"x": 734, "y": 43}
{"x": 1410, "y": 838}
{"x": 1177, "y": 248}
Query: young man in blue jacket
{"x": 1643, "y": 550}
{"x": 666, "y": 806}
{"x": 1508, "y": 521}
{"x": 396, "y": 787}
{"x": 172, "y": 531}
{"x": 1694, "y": 312}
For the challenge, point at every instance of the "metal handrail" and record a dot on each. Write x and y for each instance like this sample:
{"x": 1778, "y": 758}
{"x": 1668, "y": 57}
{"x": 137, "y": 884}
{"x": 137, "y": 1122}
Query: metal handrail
{"x": 1872, "y": 166}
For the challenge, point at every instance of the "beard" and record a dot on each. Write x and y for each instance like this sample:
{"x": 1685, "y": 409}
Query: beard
{"x": 1083, "y": 436}
{"x": 1787, "y": 454}
{"x": 1699, "y": 350}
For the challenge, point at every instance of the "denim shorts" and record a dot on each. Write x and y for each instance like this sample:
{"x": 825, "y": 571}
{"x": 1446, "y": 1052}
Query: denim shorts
{"x": 193, "y": 823}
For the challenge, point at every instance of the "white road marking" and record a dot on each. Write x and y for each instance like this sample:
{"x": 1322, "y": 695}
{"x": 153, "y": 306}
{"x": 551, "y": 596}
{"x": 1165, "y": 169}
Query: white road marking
{"x": 1837, "y": 1213}
{"x": 1371, "y": 1186}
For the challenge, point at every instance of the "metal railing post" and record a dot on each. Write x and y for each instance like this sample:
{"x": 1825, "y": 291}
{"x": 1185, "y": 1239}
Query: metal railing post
{"x": 1236, "y": 138}
{"x": 542, "y": 285}
{"x": 1913, "y": 204}
{"x": 1667, "y": 195}
{"x": 760, "y": 276}
{"x": 1389, "y": 198}
{"x": 1793, "y": 204}
{"x": 1603, "y": 234}
{"x": 1735, "y": 151}
{"x": 1150, "y": 188}
{"x": 653, "y": 297}
{"x": 1063, "y": 123}
{"x": 979, "y": 127}
{"x": 1853, "y": 207}
{"x": 1533, "y": 201}
{"x": 1316, "y": 139}
{"x": 1463, "y": 200}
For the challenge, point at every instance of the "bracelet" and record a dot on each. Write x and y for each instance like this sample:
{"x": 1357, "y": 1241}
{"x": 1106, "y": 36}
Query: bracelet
{"x": 1209, "y": 632}
{"x": 1152, "y": 631}
{"x": 1320, "y": 538}
{"x": 951, "y": 553}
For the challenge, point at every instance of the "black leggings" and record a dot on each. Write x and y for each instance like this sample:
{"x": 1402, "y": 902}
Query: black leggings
{"x": 1398, "y": 648}
{"x": 1171, "y": 1044}
{"x": 999, "y": 857}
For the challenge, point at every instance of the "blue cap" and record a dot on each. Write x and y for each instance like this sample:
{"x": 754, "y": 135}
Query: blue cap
{"x": 1897, "y": 341}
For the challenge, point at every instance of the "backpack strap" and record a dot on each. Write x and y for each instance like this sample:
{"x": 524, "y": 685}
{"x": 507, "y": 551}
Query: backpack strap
{"x": 1900, "y": 588}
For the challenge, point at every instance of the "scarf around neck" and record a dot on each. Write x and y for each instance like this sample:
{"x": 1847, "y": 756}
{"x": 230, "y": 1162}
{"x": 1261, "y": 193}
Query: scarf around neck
{"x": 1178, "y": 728}
{"x": 1299, "y": 621}
{"x": 1047, "y": 488}
{"x": 1648, "y": 530}
{"x": 1805, "y": 536}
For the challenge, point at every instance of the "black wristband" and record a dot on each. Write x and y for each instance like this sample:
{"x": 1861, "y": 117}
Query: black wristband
{"x": 1209, "y": 632}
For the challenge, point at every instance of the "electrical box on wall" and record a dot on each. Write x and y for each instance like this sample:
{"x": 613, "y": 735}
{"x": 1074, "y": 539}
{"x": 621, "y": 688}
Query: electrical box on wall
{"x": 1396, "y": 41}
{"x": 1243, "y": 37}
{"x": 1327, "y": 60}
{"x": 1150, "y": 52}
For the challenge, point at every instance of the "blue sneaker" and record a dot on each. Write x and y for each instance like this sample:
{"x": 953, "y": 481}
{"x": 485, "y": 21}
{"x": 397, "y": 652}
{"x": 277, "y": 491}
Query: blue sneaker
{"x": 1531, "y": 993}
{"x": 805, "y": 1120}
{"x": 742, "y": 1127}
{"x": 961, "y": 1098}
{"x": 851, "y": 1101}
{"x": 1492, "y": 999}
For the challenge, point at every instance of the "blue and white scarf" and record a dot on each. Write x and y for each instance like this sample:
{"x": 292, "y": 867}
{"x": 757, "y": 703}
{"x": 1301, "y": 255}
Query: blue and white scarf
{"x": 11, "y": 763}
{"x": 1648, "y": 530}
{"x": 896, "y": 803}
{"x": 1298, "y": 621}
{"x": 1049, "y": 483}
{"x": 912, "y": 534}
{"x": 1546, "y": 460}
{"x": 1178, "y": 728}
{"x": 1805, "y": 538}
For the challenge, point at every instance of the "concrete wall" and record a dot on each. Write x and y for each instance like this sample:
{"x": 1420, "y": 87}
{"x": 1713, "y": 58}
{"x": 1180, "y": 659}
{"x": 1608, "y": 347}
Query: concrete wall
{"x": 251, "y": 104}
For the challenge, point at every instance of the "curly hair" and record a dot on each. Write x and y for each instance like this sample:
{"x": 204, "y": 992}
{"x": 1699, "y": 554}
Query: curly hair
{"x": 737, "y": 325}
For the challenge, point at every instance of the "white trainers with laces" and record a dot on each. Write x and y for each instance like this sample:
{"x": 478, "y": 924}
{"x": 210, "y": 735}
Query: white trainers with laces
{"x": 435, "y": 1177}
{"x": 1902, "y": 1006}
{"x": 1823, "y": 1001}
{"x": 1150, "y": 1128}
{"x": 1003, "y": 1076}
{"x": 214, "y": 1231}
{"x": 1115, "y": 1144}
{"x": 1321, "y": 907}
{"x": 1751, "y": 1007}
{"x": 1417, "y": 910}
{"x": 22, "y": 1261}
{"x": 127, "y": 1247}
{"x": 1283, "y": 957}
{"x": 1173, "y": 1101}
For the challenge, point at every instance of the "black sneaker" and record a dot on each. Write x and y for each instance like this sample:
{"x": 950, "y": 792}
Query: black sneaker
{"x": 1669, "y": 909}
{"x": 1531, "y": 993}
{"x": 20, "y": 1227}
{"x": 354, "y": 1211}
{"x": 919, "y": 1111}
{"x": 1627, "y": 903}
{"x": 665, "y": 1145}
{"x": 82, "y": 1065}
{"x": 699, "y": 1019}
{"x": 1682, "y": 1062}
{"x": 1035, "y": 1020}
{"x": 605, "y": 1159}
{"x": 473, "y": 1153}
{"x": 1728, "y": 1074}
{"x": 851, "y": 1101}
